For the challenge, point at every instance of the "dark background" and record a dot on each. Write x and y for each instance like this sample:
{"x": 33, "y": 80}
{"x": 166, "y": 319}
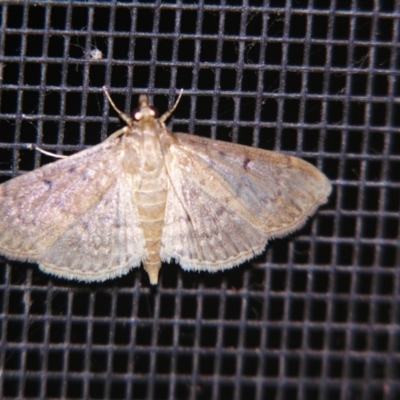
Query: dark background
{"x": 316, "y": 316}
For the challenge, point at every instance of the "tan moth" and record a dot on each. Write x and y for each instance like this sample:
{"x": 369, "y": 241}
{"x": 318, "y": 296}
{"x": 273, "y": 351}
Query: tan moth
{"x": 147, "y": 195}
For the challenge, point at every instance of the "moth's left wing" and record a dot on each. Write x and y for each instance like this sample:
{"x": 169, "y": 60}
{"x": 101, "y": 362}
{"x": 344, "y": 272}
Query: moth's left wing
{"x": 225, "y": 201}
{"x": 76, "y": 217}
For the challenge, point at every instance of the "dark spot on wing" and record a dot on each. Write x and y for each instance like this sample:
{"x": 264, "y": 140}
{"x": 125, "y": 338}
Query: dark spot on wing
{"x": 49, "y": 183}
{"x": 72, "y": 170}
{"x": 222, "y": 153}
{"x": 220, "y": 211}
{"x": 246, "y": 163}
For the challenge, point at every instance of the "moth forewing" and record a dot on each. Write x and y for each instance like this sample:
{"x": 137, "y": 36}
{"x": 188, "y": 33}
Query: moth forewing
{"x": 146, "y": 195}
{"x": 74, "y": 216}
{"x": 228, "y": 200}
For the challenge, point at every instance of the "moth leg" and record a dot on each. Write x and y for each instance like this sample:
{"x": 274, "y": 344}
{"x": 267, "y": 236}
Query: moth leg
{"x": 166, "y": 115}
{"x": 48, "y": 153}
{"x": 121, "y": 114}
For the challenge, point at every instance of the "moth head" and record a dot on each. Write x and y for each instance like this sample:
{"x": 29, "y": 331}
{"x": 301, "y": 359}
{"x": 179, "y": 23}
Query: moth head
{"x": 144, "y": 111}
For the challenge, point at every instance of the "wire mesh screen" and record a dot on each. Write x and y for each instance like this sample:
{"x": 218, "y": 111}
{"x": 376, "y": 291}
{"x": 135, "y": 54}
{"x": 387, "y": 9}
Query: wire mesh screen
{"x": 316, "y": 316}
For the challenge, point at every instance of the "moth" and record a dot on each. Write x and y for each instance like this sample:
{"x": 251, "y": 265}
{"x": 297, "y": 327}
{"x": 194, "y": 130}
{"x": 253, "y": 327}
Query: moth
{"x": 146, "y": 195}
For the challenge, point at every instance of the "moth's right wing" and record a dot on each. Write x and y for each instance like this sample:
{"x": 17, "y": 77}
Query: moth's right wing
{"x": 225, "y": 201}
{"x": 75, "y": 217}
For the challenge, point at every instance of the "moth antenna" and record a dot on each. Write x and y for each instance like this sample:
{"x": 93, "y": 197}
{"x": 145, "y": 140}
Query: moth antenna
{"x": 166, "y": 115}
{"x": 40, "y": 150}
{"x": 121, "y": 114}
